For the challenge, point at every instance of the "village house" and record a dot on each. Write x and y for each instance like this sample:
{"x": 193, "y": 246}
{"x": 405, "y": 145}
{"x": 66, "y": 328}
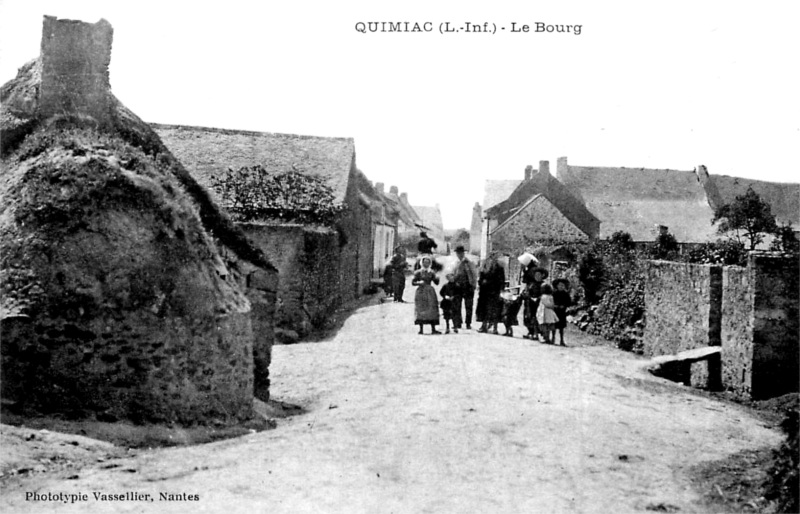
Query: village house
{"x": 125, "y": 293}
{"x": 640, "y": 201}
{"x": 408, "y": 222}
{"x": 385, "y": 217}
{"x": 321, "y": 264}
{"x": 540, "y": 211}
{"x": 644, "y": 201}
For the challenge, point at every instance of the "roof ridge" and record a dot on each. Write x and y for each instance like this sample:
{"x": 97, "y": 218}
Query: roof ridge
{"x": 247, "y": 132}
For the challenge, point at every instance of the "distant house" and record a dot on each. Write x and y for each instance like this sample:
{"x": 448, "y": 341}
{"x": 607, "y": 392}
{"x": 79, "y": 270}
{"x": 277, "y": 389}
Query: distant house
{"x": 540, "y": 211}
{"x": 494, "y": 192}
{"x": 640, "y": 200}
{"x": 432, "y": 218}
{"x": 409, "y": 223}
{"x": 385, "y": 217}
{"x": 321, "y": 265}
{"x": 475, "y": 229}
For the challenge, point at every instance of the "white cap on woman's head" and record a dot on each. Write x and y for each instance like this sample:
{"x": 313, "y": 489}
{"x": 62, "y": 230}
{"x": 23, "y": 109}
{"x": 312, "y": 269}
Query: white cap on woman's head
{"x": 526, "y": 258}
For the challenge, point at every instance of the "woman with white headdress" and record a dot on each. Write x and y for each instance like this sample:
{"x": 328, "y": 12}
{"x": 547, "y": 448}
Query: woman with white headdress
{"x": 426, "y": 303}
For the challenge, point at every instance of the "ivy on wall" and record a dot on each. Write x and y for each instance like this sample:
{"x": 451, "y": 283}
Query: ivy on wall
{"x": 252, "y": 193}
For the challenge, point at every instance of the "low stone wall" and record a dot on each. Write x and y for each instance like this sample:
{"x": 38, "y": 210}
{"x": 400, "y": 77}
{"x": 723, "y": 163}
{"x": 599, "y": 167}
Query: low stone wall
{"x": 737, "y": 329}
{"x": 760, "y": 326}
{"x": 751, "y": 312}
{"x": 682, "y": 305}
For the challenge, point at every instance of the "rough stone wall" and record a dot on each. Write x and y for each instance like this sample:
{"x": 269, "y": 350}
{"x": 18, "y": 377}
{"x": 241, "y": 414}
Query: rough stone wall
{"x": 115, "y": 297}
{"x": 75, "y": 59}
{"x": 261, "y": 288}
{"x": 283, "y": 246}
{"x": 356, "y": 244}
{"x": 538, "y": 221}
{"x": 737, "y": 329}
{"x": 678, "y": 300}
{"x": 751, "y": 312}
{"x": 775, "y": 324}
{"x": 142, "y": 368}
{"x": 311, "y": 267}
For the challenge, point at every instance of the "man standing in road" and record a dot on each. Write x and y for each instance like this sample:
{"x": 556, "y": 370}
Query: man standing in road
{"x": 465, "y": 277}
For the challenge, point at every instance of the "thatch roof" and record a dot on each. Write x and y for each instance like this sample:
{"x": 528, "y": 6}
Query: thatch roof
{"x": 636, "y": 200}
{"x": 783, "y": 198}
{"x": 209, "y": 152}
{"x": 21, "y": 114}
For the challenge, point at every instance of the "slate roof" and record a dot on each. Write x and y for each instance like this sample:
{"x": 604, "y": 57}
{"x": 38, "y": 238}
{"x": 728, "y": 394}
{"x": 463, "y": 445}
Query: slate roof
{"x": 636, "y": 200}
{"x": 784, "y": 198}
{"x": 207, "y": 152}
{"x": 542, "y": 183}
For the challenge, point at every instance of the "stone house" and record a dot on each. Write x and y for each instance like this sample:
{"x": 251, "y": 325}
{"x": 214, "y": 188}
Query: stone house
{"x": 540, "y": 211}
{"x": 407, "y": 222}
{"x": 125, "y": 293}
{"x": 321, "y": 265}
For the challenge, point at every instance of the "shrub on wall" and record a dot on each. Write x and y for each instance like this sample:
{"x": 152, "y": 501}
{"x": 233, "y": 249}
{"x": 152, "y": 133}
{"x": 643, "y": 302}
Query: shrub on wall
{"x": 726, "y": 252}
{"x": 253, "y": 193}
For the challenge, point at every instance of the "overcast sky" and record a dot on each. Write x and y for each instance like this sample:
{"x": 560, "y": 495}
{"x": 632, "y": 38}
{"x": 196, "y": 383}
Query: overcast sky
{"x": 645, "y": 84}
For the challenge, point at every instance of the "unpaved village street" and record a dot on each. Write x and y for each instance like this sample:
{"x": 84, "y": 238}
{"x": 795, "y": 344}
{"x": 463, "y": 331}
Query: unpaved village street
{"x": 395, "y": 422}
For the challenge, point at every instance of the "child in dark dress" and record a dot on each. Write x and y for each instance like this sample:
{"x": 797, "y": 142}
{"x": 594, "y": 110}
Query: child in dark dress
{"x": 511, "y": 306}
{"x": 447, "y": 292}
{"x": 562, "y": 300}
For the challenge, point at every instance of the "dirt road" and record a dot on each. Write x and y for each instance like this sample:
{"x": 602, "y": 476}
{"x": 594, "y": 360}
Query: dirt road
{"x": 397, "y": 422}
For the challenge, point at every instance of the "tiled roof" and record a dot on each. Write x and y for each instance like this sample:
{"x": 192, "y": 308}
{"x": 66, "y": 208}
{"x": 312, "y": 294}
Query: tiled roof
{"x": 784, "y": 199}
{"x": 207, "y": 152}
{"x": 636, "y": 200}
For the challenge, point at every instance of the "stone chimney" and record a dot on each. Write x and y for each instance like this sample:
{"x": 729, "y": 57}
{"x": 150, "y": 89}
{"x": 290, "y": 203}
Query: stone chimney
{"x": 562, "y": 168}
{"x": 393, "y": 190}
{"x": 404, "y": 197}
{"x": 379, "y": 187}
{"x": 528, "y": 172}
{"x": 712, "y": 193}
{"x": 75, "y": 56}
{"x": 544, "y": 167}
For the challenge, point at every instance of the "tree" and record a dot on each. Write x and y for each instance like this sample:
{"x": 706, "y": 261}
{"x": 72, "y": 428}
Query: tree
{"x": 785, "y": 239}
{"x": 747, "y": 219}
{"x": 666, "y": 247}
{"x": 622, "y": 241}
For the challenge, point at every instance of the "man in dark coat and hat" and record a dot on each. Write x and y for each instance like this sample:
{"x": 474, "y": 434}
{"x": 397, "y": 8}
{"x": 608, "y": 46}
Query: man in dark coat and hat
{"x": 426, "y": 244}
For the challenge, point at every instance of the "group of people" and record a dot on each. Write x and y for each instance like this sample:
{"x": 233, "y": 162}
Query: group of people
{"x": 545, "y": 304}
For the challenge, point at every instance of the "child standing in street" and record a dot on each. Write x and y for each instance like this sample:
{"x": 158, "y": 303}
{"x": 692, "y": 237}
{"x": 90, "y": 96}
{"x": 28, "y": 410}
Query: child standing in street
{"x": 546, "y": 314}
{"x": 562, "y": 300}
{"x": 448, "y": 291}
